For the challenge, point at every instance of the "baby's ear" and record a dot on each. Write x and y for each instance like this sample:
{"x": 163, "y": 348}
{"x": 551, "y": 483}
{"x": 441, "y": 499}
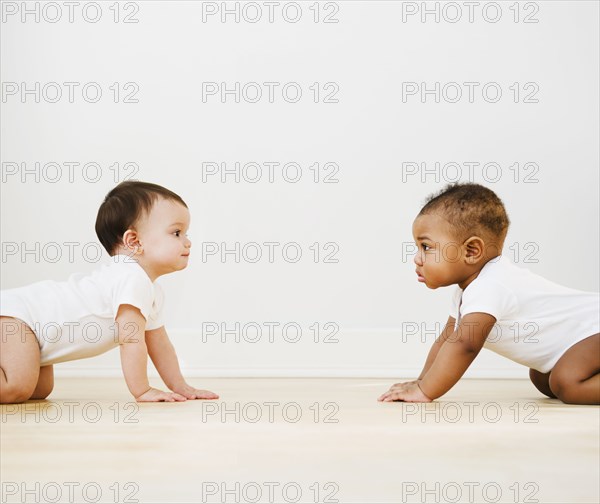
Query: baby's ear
{"x": 474, "y": 247}
{"x": 131, "y": 239}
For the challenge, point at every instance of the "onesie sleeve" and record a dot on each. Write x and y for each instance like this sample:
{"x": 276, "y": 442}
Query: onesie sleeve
{"x": 454, "y": 303}
{"x": 491, "y": 297}
{"x": 155, "y": 320}
{"x": 135, "y": 290}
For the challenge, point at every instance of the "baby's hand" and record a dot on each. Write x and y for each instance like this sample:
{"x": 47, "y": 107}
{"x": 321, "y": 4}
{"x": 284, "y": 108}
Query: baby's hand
{"x": 193, "y": 393}
{"x": 408, "y": 392}
{"x": 155, "y": 395}
{"x": 402, "y": 384}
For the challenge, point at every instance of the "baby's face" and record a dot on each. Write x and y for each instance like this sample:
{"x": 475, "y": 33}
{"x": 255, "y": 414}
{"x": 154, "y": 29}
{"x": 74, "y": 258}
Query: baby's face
{"x": 163, "y": 237}
{"x": 440, "y": 256}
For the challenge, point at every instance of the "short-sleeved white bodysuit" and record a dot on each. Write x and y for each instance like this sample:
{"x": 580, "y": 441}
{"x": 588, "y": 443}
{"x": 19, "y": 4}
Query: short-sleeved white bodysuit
{"x": 75, "y": 319}
{"x": 537, "y": 320}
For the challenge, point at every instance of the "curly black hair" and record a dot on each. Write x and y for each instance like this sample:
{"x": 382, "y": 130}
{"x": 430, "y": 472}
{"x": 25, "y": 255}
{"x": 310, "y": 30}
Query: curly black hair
{"x": 470, "y": 208}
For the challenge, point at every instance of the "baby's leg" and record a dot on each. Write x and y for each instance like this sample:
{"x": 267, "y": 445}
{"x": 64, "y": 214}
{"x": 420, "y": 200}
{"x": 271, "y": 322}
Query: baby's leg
{"x": 540, "y": 380}
{"x": 575, "y": 379}
{"x": 45, "y": 383}
{"x": 19, "y": 361}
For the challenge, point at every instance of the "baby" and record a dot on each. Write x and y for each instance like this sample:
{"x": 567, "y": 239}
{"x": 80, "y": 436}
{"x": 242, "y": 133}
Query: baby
{"x": 143, "y": 228}
{"x": 551, "y": 329}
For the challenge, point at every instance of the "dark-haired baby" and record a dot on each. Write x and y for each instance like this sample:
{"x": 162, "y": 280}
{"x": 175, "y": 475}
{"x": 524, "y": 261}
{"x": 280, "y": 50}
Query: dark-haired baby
{"x": 143, "y": 227}
{"x": 551, "y": 329}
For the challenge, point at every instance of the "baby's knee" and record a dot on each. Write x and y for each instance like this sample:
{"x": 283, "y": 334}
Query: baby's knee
{"x": 563, "y": 387}
{"x": 11, "y": 394}
{"x": 45, "y": 383}
{"x": 42, "y": 392}
{"x": 540, "y": 381}
{"x": 535, "y": 376}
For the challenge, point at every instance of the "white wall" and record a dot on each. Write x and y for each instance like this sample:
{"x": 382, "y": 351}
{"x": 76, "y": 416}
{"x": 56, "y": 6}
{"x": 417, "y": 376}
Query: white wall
{"x": 371, "y": 292}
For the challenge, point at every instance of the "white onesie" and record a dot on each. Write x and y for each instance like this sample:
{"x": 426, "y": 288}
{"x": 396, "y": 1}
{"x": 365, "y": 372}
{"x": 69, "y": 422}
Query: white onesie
{"x": 536, "y": 320}
{"x": 75, "y": 319}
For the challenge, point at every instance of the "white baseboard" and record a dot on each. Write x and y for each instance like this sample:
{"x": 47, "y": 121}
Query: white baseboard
{"x": 287, "y": 373}
{"x": 358, "y": 353}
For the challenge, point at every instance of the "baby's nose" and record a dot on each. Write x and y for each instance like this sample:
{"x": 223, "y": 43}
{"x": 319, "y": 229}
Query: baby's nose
{"x": 418, "y": 259}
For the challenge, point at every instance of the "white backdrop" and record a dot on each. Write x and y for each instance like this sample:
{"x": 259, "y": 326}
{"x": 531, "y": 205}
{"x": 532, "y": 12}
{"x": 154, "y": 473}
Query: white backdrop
{"x": 364, "y": 96}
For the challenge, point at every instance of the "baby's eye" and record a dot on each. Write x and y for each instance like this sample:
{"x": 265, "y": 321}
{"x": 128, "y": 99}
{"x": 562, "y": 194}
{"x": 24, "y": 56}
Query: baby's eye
{"x": 177, "y": 233}
{"x": 425, "y": 247}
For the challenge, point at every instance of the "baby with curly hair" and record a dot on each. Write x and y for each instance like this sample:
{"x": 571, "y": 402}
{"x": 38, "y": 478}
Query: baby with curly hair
{"x": 551, "y": 329}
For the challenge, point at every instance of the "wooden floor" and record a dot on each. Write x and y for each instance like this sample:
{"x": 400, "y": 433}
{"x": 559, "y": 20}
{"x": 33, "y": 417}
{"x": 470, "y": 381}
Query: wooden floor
{"x": 300, "y": 440}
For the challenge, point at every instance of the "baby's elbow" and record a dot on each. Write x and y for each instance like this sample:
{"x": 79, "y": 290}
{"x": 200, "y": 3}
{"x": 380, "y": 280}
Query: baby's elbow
{"x": 469, "y": 347}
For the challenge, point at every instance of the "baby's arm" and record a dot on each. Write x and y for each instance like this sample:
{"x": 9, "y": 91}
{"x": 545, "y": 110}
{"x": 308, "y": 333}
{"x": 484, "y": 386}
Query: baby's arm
{"x": 456, "y": 354}
{"x": 448, "y": 359}
{"x": 437, "y": 344}
{"x": 163, "y": 356}
{"x": 131, "y": 326}
{"x": 433, "y": 351}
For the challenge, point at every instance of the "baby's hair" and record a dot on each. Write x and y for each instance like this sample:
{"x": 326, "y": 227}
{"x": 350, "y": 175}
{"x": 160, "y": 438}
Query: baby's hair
{"x": 123, "y": 206}
{"x": 470, "y": 209}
